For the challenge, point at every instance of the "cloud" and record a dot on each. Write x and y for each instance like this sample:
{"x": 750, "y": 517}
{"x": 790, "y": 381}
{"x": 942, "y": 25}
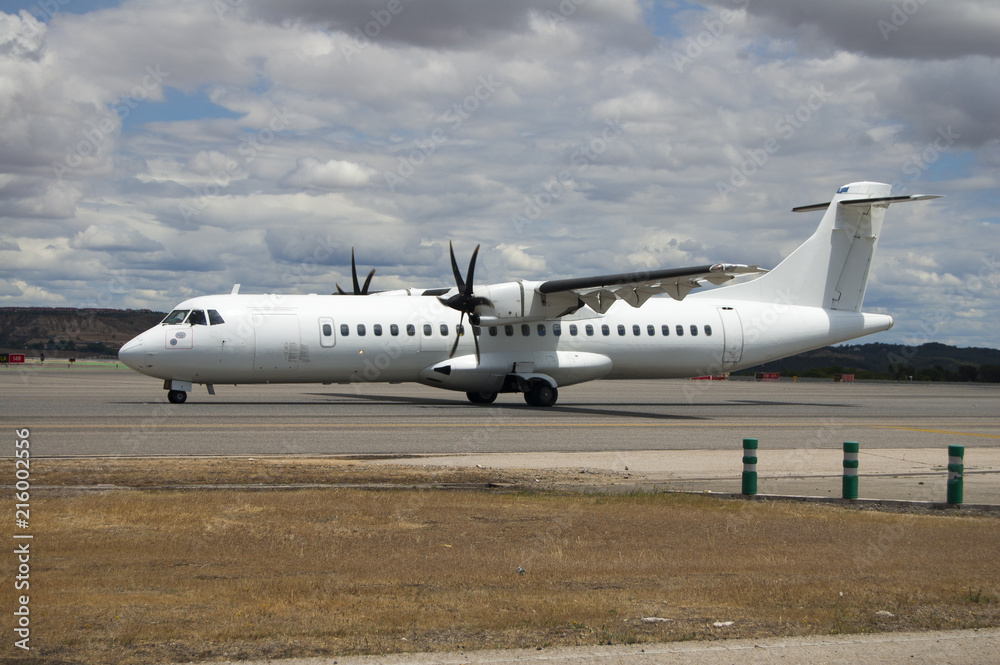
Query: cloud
{"x": 114, "y": 238}
{"x": 331, "y": 175}
{"x": 567, "y": 137}
{"x": 910, "y": 29}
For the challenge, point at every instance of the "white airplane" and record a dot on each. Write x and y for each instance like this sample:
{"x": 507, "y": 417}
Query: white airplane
{"x": 535, "y": 337}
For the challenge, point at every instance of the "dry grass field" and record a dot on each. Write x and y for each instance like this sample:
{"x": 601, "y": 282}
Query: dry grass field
{"x": 175, "y": 575}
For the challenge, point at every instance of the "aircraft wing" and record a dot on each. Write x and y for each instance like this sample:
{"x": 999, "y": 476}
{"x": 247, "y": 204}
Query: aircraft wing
{"x": 635, "y": 288}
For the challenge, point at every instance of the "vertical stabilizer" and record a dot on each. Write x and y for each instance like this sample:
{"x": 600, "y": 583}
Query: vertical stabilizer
{"x": 830, "y": 269}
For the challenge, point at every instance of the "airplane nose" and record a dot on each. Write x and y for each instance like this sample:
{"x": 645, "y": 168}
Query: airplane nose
{"x": 132, "y": 353}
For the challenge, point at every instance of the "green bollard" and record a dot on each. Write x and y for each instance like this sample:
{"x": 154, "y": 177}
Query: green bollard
{"x": 749, "y": 467}
{"x": 851, "y": 469}
{"x": 956, "y": 467}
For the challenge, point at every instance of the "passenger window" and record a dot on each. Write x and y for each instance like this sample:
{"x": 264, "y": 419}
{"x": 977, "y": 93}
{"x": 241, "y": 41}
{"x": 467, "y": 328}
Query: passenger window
{"x": 605, "y": 330}
{"x": 377, "y": 329}
{"x": 345, "y": 330}
{"x": 444, "y": 329}
{"x": 590, "y": 330}
{"x": 525, "y": 330}
{"x": 708, "y": 331}
{"x": 394, "y": 330}
{"x": 651, "y": 330}
{"x": 621, "y": 330}
{"x": 680, "y": 330}
{"x": 541, "y": 330}
{"x": 557, "y": 329}
{"x": 508, "y": 330}
{"x": 493, "y": 331}
{"x": 361, "y": 330}
{"x": 694, "y": 330}
{"x": 636, "y": 330}
{"x": 175, "y": 317}
{"x": 573, "y": 329}
{"x": 215, "y": 318}
{"x": 665, "y": 329}
{"x": 411, "y": 329}
{"x": 197, "y": 318}
{"x": 327, "y": 330}
{"x": 428, "y": 330}
{"x": 459, "y": 330}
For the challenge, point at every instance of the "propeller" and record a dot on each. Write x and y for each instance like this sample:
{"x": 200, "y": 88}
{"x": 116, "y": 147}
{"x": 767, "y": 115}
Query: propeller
{"x": 358, "y": 289}
{"x": 465, "y": 301}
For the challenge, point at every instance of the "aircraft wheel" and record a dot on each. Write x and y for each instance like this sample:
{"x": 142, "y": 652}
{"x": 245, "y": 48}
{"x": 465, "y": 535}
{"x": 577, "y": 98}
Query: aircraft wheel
{"x": 481, "y": 398}
{"x": 177, "y": 396}
{"x": 541, "y": 394}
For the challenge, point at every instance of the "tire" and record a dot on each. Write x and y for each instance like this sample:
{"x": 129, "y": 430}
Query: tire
{"x": 541, "y": 394}
{"x": 481, "y": 398}
{"x": 177, "y": 396}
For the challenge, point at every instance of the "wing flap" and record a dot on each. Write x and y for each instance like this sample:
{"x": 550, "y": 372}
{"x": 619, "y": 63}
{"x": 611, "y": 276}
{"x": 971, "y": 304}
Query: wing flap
{"x": 635, "y": 288}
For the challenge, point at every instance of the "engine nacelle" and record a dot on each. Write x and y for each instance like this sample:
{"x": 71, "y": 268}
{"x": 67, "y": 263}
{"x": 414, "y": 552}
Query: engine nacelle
{"x": 514, "y": 302}
{"x": 490, "y": 374}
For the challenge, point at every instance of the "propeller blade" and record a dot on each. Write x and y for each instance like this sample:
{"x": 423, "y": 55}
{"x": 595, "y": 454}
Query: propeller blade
{"x": 475, "y": 338}
{"x": 341, "y": 291}
{"x": 458, "y": 335}
{"x": 454, "y": 268}
{"x": 368, "y": 280}
{"x": 354, "y": 274}
{"x": 472, "y": 270}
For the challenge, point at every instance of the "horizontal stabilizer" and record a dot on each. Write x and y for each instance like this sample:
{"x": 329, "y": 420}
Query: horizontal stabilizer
{"x": 867, "y": 202}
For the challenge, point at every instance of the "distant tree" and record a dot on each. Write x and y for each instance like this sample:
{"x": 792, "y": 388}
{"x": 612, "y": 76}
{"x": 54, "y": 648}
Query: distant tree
{"x": 990, "y": 373}
{"x": 967, "y": 373}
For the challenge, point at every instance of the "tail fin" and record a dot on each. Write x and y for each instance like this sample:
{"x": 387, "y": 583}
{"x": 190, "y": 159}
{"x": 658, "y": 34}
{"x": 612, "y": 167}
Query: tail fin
{"x": 830, "y": 269}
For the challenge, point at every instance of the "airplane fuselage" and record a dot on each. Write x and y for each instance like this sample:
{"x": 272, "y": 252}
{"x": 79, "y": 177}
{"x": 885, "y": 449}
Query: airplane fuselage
{"x": 336, "y": 339}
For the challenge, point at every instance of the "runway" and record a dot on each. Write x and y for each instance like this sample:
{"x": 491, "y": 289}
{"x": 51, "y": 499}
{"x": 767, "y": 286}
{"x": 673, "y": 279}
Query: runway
{"x": 94, "y": 411}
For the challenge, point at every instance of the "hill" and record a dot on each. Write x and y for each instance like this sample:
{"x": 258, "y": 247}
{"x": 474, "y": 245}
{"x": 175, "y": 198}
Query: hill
{"x": 65, "y": 331}
{"x": 927, "y": 362}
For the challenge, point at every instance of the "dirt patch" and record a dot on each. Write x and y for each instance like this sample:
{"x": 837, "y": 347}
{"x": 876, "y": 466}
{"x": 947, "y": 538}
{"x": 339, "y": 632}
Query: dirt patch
{"x": 177, "y": 575}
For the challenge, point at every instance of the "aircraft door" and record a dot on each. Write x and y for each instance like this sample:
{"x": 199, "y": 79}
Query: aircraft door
{"x": 327, "y": 332}
{"x": 732, "y": 329}
{"x": 276, "y": 341}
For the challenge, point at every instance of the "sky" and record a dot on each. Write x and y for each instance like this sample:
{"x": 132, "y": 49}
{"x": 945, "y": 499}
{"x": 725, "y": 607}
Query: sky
{"x": 156, "y": 150}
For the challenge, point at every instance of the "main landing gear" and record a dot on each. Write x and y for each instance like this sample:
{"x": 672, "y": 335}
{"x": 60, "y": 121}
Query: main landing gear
{"x": 177, "y": 396}
{"x": 536, "y": 393}
{"x": 481, "y": 398}
{"x": 540, "y": 393}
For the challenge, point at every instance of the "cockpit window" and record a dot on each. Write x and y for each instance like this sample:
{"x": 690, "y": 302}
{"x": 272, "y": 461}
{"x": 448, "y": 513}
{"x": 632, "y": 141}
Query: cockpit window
{"x": 175, "y": 317}
{"x": 215, "y": 318}
{"x": 197, "y": 318}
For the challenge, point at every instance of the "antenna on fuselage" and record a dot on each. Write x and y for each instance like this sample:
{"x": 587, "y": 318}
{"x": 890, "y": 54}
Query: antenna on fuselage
{"x": 236, "y": 290}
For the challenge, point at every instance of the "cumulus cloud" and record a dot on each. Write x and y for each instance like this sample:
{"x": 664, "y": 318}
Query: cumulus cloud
{"x": 330, "y": 175}
{"x": 114, "y": 237}
{"x": 566, "y": 137}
